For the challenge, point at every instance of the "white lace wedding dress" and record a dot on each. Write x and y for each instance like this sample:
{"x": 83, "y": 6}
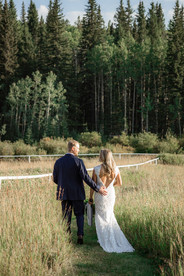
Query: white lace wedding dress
{"x": 110, "y": 236}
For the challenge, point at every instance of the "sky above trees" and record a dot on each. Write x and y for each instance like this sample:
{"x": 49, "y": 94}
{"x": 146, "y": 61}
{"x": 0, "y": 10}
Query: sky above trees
{"x": 74, "y": 8}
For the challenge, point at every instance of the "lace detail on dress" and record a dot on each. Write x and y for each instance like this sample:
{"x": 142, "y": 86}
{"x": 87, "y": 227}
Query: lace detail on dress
{"x": 110, "y": 236}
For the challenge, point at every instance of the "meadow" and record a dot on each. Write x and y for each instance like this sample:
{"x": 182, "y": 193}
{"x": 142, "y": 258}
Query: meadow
{"x": 149, "y": 208}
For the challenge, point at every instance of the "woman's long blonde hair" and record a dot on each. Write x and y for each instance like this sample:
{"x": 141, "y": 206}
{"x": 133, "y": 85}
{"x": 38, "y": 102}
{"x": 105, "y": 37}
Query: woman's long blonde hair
{"x": 108, "y": 163}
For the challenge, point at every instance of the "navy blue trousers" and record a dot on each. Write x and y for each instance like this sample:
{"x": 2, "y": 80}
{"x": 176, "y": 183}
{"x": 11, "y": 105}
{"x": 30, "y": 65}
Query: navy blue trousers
{"x": 78, "y": 207}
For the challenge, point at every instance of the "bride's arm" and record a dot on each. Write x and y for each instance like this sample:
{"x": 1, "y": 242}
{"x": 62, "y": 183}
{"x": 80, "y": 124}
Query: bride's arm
{"x": 118, "y": 181}
{"x": 91, "y": 190}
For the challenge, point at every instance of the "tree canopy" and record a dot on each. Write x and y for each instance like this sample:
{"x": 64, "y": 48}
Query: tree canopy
{"x": 58, "y": 79}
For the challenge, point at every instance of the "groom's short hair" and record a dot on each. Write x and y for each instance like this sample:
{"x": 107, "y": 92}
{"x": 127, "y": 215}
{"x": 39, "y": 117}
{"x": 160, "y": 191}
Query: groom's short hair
{"x": 71, "y": 144}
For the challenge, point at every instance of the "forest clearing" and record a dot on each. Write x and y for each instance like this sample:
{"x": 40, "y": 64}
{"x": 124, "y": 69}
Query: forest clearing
{"x": 148, "y": 209}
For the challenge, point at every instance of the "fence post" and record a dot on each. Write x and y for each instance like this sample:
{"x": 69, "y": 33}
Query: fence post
{"x": 119, "y": 155}
{"x": 137, "y": 167}
{"x": 29, "y": 158}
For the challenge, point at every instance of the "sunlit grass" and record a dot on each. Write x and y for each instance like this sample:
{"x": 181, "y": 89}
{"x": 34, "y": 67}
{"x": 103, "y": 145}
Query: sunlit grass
{"x": 13, "y": 167}
{"x": 32, "y": 239}
{"x": 149, "y": 208}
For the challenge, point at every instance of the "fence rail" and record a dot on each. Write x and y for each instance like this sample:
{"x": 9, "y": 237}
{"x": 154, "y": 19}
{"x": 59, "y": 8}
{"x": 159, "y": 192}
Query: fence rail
{"x": 81, "y": 154}
{"x": 50, "y": 174}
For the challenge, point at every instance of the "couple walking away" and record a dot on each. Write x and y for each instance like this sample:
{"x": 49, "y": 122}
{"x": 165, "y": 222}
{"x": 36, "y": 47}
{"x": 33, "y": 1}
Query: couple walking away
{"x": 69, "y": 173}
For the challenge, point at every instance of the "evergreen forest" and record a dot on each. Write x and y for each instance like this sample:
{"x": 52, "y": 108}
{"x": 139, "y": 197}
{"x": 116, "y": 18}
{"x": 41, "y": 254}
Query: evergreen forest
{"x": 58, "y": 79}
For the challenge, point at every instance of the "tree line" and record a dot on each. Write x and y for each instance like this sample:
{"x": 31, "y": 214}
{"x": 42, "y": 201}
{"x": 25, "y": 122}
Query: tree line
{"x": 58, "y": 79}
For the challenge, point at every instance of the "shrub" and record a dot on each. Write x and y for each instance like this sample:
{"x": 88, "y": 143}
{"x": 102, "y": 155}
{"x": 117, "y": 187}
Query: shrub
{"x": 181, "y": 142}
{"x": 83, "y": 149}
{"x": 144, "y": 142}
{"x": 118, "y": 148}
{"x": 41, "y": 152}
{"x": 172, "y": 159}
{"x": 94, "y": 150}
{"x": 53, "y": 146}
{"x": 6, "y": 148}
{"x": 169, "y": 145}
{"x": 91, "y": 139}
{"x": 20, "y": 148}
{"x": 122, "y": 139}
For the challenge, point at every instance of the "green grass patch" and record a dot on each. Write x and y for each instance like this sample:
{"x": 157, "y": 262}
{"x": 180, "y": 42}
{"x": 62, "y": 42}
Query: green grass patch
{"x": 90, "y": 259}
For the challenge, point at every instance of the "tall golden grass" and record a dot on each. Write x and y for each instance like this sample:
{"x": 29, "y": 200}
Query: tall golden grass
{"x": 33, "y": 240}
{"x": 149, "y": 208}
{"x": 22, "y": 167}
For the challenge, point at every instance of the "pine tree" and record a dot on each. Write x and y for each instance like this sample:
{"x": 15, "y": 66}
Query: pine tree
{"x": 32, "y": 21}
{"x": 160, "y": 21}
{"x": 143, "y": 50}
{"x": 16, "y": 33}
{"x": 8, "y": 62}
{"x": 175, "y": 70}
{"x": 92, "y": 26}
{"x": 55, "y": 43}
{"x": 71, "y": 76}
{"x": 26, "y": 54}
{"x": 1, "y": 61}
{"x": 135, "y": 30}
{"x": 41, "y": 45}
{"x": 156, "y": 62}
{"x": 120, "y": 22}
{"x": 129, "y": 17}
{"x": 141, "y": 23}
{"x": 8, "y": 50}
{"x": 92, "y": 35}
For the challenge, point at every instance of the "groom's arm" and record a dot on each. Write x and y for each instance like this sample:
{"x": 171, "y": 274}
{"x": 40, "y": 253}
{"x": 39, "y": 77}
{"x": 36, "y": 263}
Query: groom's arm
{"x": 94, "y": 177}
{"x": 85, "y": 176}
{"x": 55, "y": 174}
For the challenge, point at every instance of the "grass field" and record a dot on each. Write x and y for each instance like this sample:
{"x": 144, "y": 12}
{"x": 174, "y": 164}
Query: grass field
{"x": 149, "y": 208}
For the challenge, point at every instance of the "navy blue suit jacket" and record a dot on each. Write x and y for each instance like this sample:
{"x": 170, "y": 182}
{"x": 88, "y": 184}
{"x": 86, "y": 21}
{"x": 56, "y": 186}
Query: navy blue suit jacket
{"x": 69, "y": 173}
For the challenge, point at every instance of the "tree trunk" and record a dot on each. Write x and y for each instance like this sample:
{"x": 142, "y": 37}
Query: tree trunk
{"x": 133, "y": 109}
{"x": 142, "y": 119}
{"x": 156, "y": 105}
{"x": 25, "y": 120}
{"x": 102, "y": 102}
{"x": 125, "y": 107}
{"x": 96, "y": 104}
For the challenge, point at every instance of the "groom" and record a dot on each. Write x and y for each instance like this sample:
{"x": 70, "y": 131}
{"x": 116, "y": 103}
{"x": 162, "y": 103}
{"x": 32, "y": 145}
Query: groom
{"x": 69, "y": 173}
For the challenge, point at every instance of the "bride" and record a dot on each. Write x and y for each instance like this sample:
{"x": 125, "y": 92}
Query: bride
{"x": 110, "y": 236}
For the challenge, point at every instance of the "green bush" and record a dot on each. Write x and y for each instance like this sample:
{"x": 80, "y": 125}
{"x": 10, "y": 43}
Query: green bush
{"x": 122, "y": 139}
{"x": 93, "y": 150}
{"x": 20, "y": 148}
{"x": 181, "y": 142}
{"x": 53, "y": 146}
{"x": 6, "y": 148}
{"x": 169, "y": 145}
{"x": 144, "y": 142}
{"x": 172, "y": 159}
{"x": 41, "y": 151}
{"x": 91, "y": 139}
{"x": 118, "y": 148}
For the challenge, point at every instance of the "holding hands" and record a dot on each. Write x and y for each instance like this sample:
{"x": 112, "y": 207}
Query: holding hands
{"x": 103, "y": 191}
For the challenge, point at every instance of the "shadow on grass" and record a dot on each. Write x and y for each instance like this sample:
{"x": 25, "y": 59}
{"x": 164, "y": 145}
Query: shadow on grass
{"x": 90, "y": 259}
